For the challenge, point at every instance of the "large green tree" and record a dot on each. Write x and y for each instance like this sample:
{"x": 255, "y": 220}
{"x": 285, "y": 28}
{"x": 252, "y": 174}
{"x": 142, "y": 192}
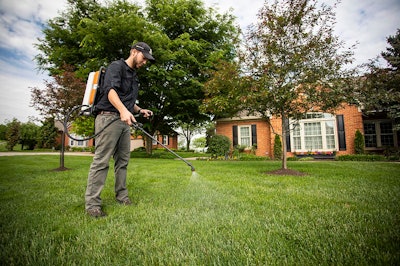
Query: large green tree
{"x": 380, "y": 86}
{"x": 291, "y": 63}
{"x": 186, "y": 39}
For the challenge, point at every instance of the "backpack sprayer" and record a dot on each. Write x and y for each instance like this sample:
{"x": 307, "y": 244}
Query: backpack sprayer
{"x": 88, "y": 108}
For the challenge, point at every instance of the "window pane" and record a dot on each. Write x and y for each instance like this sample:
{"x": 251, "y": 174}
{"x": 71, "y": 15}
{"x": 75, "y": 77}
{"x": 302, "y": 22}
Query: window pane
{"x": 296, "y": 130}
{"x": 313, "y": 143}
{"x": 297, "y": 143}
{"x": 329, "y": 128}
{"x": 312, "y": 129}
{"x": 369, "y": 128}
{"x": 330, "y": 142}
{"x": 245, "y": 136}
{"x": 387, "y": 140}
{"x": 386, "y": 128}
{"x": 370, "y": 141}
{"x": 244, "y": 131}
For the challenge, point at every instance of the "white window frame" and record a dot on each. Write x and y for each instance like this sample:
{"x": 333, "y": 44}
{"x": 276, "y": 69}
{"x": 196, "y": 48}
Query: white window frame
{"x": 322, "y": 119}
{"x": 240, "y": 136}
{"x": 165, "y": 139}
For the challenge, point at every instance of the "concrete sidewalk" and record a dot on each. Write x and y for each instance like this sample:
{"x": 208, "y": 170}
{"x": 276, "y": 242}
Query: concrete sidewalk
{"x": 14, "y": 153}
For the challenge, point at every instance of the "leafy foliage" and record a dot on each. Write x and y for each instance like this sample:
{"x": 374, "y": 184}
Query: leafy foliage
{"x": 60, "y": 94}
{"x": 186, "y": 39}
{"x": 13, "y": 134}
{"x": 294, "y": 63}
{"x": 219, "y": 145}
{"x": 359, "y": 142}
{"x": 48, "y": 134}
{"x": 29, "y": 133}
{"x": 277, "y": 147}
{"x": 380, "y": 88}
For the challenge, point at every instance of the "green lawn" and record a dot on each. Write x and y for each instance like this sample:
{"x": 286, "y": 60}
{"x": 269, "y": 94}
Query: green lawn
{"x": 230, "y": 213}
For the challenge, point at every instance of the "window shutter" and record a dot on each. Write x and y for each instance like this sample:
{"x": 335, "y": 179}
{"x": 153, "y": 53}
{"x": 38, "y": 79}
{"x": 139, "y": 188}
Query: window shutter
{"x": 253, "y": 134}
{"x": 341, "y": 132}
{"x": 235, "y": 135}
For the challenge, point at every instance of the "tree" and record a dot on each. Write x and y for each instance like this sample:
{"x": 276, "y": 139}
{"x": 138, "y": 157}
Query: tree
{"x": 58, "y": 98}
{"x": 359, "y": 142}
{"x": 48, "y": 134}
{"x": 200, "y": 143}
{"x": 186, "y": 39}
{"x": 29, "y": 134}
{"x": 188, "y": 131}
{"x": 277, "y": 147}
{"x": 13, "y": 133}
{"x": 3, "y": 130}
{"x": 380, "y": 87}
{"x": 294, "y": 64}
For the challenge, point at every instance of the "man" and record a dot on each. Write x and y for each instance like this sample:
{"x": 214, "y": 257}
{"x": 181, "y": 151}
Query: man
{"x": 119, "y": 93}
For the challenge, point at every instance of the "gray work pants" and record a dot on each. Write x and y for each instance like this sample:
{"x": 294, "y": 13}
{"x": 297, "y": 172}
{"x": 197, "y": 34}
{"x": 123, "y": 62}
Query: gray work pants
{"x": 113, "y": 141}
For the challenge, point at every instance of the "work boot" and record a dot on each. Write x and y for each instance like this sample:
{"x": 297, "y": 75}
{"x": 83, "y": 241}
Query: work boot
{"x": 125, "y": 202}
{"x": 96, "y": 212}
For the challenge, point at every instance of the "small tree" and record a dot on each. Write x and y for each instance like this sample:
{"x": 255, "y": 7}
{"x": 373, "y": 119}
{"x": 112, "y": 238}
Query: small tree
{"x": 219, "y": 146}
{"x": 13, "y": 133}
{"x": 58, "y": 98}
{"x": 277, "y": 147}
{"x": 359, "y": 142}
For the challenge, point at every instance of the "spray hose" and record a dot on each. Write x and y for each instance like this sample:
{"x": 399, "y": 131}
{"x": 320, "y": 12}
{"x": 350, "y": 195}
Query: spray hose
{"x": 140, "y": 127}
{"x": 134, "y": 125}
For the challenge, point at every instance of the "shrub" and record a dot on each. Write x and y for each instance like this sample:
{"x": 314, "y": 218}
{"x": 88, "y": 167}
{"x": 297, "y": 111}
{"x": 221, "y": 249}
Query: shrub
{"x": 219, "y": 145}
{"x": 277, "y": 147}
{"x": 361, "y": 157}
{"x": 359, "y": 142}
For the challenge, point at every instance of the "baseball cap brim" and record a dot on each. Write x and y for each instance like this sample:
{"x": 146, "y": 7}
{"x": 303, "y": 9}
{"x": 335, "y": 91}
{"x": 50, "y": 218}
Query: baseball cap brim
{"x": 145, "y": 49}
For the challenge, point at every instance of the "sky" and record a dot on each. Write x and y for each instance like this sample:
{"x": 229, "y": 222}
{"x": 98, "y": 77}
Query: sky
{"x": 366, "y": 22}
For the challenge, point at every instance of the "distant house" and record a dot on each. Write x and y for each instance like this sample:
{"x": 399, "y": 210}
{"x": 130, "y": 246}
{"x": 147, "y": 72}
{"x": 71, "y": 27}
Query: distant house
{"x": 171, "y": 141}
{"x": 318, "y": 134}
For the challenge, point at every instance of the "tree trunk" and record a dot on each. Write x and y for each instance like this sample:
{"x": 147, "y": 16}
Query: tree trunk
{"x": 62, "y": 152}
{"x": 149, "y": 145}
{"x": 284, "y": 149}
{"x": 187, "y": 144}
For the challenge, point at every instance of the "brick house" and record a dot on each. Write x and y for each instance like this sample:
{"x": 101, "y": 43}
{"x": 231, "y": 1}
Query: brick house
{"x": 171, "y": 141}
{"x": 321, "y": 134}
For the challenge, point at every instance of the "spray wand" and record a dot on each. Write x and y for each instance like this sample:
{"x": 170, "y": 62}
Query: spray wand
{"x": 140, "y": 127}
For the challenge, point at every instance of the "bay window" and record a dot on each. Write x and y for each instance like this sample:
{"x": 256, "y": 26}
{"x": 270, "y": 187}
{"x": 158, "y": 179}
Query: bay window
{"x": 316, "y": 132}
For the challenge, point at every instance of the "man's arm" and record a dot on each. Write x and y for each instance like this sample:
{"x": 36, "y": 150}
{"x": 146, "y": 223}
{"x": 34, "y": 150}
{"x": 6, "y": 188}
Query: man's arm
{"x": 124, "y": 113}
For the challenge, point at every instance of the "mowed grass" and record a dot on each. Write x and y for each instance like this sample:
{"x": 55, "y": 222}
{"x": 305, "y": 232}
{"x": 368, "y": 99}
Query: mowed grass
{"x": 228, "y": 213}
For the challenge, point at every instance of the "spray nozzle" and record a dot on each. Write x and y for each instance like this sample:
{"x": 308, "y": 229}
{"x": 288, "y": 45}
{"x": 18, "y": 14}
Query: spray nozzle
{"x": 137, "y": 125}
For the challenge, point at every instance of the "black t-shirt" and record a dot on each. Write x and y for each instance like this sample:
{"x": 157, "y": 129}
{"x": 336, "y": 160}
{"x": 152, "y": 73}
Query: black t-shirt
{"x": 123, "y": 79}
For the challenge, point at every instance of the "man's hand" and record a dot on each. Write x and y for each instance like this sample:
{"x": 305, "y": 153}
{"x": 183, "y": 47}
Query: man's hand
{"x": 146, "y": 113}
{"x": 127, "y": 117}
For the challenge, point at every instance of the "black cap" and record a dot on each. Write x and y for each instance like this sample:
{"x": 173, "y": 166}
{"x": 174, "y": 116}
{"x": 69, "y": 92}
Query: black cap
{"x": 145, "y": 49}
